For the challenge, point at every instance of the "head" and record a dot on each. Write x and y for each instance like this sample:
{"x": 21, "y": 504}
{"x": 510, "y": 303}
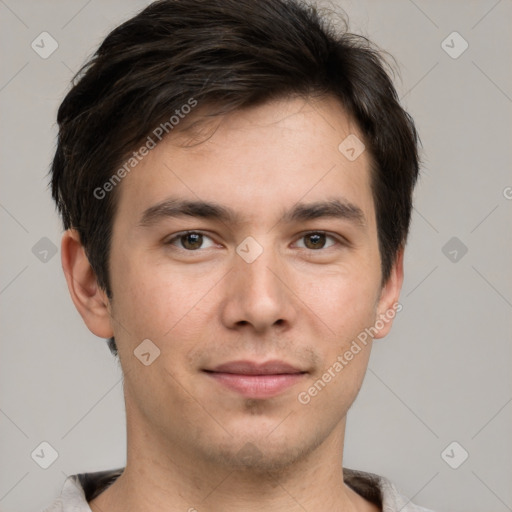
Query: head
{"x": 228, "y": 119}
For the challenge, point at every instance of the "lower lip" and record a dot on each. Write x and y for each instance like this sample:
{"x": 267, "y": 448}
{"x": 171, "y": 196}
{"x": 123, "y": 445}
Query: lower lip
{"x": 257, "y": 386}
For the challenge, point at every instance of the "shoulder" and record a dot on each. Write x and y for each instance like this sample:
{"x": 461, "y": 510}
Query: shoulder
{"x": 78, "y": 490}
{"x": 379, "y": 490}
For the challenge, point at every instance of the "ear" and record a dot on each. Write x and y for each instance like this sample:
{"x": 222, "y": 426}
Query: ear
{"x": 388, "y": 305}
{"x": 90, "y": 300}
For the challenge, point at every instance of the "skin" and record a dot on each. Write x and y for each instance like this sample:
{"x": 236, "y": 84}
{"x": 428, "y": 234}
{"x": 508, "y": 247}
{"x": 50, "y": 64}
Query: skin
{"x": 192, "y": 443}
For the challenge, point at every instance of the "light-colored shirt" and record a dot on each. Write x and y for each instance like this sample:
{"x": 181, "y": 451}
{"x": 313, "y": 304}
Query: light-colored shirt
{"x": 82, "y": 488}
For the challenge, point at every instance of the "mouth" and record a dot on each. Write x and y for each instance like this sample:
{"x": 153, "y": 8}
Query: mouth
{"x": 256, "y": 380}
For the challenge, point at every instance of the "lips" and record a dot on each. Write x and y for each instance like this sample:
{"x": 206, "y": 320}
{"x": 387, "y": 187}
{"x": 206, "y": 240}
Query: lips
{"x": 252, "y": 368}
{"x": 256, "y": 380}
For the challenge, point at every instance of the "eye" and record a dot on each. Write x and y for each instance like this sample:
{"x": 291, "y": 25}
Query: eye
{"x": 190, "y": 241}
{"x": 317, "y": 240}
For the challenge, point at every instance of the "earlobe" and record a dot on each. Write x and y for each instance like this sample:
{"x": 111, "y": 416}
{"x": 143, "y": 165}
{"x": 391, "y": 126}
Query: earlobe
{"x": 89, "y": 299}
{"x": 388, "y": 304}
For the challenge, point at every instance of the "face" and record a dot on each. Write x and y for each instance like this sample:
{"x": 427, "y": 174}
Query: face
{"x": 257, "y": 245}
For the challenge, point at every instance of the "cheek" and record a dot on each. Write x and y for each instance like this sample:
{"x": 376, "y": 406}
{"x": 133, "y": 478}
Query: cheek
{"x": 345, "y": 308}
{"x": 153, "y": 301}
{"x": 345, "y": 299}
{"x": 344, "y": 358}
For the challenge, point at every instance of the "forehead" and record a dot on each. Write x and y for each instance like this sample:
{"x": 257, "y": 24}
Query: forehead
{"x": 255, "y": 160}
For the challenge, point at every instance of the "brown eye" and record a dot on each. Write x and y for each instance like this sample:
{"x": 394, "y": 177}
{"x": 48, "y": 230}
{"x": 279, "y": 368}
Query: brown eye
{"x": 314, "y": 240}
{"x": 191, "y": 241}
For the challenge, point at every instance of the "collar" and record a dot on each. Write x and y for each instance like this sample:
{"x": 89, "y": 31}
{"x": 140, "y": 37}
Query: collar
{"x": 81, "y": 488}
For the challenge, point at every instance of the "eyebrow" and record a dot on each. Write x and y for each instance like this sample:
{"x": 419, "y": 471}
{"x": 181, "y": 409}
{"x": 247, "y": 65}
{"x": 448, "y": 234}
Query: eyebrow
{"x": 173, "y": 208}
{"x": 334, "y": 208}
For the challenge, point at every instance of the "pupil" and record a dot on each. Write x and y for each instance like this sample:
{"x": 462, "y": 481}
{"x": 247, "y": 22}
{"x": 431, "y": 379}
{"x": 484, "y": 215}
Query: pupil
{"x": 192, "y": 240}
{"x": 316, "y": 240}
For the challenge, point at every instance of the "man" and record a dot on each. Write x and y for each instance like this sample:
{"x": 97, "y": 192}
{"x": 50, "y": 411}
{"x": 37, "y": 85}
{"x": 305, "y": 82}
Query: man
{"x": 235, "y": 181}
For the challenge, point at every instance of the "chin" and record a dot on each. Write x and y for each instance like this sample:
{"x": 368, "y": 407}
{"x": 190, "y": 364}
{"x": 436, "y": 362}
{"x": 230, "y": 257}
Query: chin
{"x": 258, "y": 454}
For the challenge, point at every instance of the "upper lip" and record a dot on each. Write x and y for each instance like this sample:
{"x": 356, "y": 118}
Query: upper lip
{"x": 273, "y": 367}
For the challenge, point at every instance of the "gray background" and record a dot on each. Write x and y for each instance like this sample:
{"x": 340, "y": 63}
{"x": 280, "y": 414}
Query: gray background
{"x": 442, "y": 375}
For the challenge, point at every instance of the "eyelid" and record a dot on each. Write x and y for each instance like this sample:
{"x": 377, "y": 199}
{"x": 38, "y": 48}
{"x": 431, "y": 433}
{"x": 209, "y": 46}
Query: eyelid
{"x": 178, "y": 235}
{"x": 339, "y": 239}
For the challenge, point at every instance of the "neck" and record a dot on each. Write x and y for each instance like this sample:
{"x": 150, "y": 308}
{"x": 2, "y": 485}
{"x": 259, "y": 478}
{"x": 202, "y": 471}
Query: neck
{"x": 163, "y": 475}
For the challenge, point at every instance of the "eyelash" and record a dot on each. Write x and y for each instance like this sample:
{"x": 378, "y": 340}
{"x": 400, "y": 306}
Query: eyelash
{"x": 178, "y": 236}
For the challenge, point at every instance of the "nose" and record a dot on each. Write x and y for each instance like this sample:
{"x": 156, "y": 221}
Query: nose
{"x": 259, "y": 295}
